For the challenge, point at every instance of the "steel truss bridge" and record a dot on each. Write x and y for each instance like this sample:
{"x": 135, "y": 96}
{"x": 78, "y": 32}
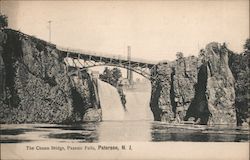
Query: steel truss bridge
{"x": 81, "y": 60}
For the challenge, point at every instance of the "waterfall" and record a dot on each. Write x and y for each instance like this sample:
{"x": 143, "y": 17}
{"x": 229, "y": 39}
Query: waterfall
{"x": 110, "y": 101}
{"x": 138, "y": 106}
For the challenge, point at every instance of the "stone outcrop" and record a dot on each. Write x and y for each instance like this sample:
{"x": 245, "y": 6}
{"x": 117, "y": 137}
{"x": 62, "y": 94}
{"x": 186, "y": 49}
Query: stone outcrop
{"x": 220, "y": 85}
{"x": 160, "y": 97}
{"x": 174, "y": 86}
{"x": 35, "y": 86}
{"x": 201, "y": 89}
{"x": 185, "y": 76}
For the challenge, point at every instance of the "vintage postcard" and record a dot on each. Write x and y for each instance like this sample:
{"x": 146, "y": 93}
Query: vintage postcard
{"x": 124, "y": 79}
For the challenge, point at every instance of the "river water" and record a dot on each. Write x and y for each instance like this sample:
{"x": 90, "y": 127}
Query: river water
{"x": 134, "y": 125}
{"x": 120, "y": 131}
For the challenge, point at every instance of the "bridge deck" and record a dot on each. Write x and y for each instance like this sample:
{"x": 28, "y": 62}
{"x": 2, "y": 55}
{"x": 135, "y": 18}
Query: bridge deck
{"x": 73, "y": 53}
{"x": 116, "y": 59}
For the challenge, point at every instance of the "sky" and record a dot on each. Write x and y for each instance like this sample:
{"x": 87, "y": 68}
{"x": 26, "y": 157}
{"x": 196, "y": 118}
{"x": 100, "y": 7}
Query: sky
{"x": 155, "y": 30}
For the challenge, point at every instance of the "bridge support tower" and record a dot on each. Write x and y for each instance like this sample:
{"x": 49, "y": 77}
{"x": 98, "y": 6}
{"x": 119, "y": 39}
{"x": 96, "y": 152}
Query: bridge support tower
{"x": 129, "y": 72}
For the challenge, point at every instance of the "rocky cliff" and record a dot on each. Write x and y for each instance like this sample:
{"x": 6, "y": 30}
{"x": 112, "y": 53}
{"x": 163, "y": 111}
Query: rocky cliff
{"x": 174, "y": 88}
{"x": 208, "y": 89}
{"x": 35, "y": 86}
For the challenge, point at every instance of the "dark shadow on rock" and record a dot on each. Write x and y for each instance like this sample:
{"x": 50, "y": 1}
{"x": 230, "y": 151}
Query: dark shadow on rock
{"x": 242, "y": 112}
{"x": 11, "y": 54}
{"x": 172, "y": 94}
{"x": 155, "y": 95}
{"x": 199, "y": 106}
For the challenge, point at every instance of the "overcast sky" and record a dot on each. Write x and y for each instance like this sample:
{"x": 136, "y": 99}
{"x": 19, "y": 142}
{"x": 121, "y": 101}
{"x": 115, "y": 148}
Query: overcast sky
{"x": 154, "y": 30}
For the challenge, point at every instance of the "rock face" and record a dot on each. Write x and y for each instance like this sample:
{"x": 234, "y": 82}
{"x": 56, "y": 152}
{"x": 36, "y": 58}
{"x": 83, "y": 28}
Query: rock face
{"x": 3, "y": 38}
{"x": 160, "y": 97}
{"x": 220, "y": 86}
{"x": 174, "y": 89}
{"x": 201, "y": 89}
{"x": 35, "y": 86}
{"x": 185, "y": 76}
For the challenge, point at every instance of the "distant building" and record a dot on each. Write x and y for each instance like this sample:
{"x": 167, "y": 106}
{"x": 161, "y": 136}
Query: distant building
{"x": 124, "y": 81}
{"x": 95, "y": 74}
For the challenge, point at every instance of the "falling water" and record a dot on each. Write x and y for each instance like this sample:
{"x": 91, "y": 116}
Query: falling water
{"x": 112, "y": 108}
{"x": 138, "y": 106}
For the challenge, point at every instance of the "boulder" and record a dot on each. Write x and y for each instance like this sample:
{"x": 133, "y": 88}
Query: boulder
{"x": 92, "y": 115}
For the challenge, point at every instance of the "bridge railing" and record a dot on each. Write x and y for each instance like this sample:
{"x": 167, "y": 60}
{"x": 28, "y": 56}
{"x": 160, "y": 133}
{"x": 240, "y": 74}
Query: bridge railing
{"x": 105, "y": 55}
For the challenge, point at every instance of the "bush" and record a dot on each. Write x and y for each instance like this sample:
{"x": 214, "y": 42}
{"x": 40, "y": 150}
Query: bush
{"x": 247, "y": 44}
{"x": 3, "y": 21}
{"x": 111, "y": 76}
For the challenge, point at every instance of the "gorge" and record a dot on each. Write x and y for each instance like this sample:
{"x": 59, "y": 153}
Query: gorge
{"x": 35, "y": 87}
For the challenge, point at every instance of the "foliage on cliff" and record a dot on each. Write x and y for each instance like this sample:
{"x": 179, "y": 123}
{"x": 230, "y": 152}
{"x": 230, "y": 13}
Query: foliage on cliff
{"x": 3, "y": 21}
{"x": 240, "y": 66}
{"x": 247, "y": 45}
{"x": 111, "y": 76}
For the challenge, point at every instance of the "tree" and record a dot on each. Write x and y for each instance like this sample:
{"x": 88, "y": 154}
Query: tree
{"x": 179, "y": 55}
{"x": 106, "y": 75}
{"x": 111, "y": 76}
{"x": 116, "y": 75}
{"x": 247, "y": 44}
{"x": 3, "y": 21}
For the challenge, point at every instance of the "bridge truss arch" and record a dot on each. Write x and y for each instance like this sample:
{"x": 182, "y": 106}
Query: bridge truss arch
{"x": 85, "y": 61}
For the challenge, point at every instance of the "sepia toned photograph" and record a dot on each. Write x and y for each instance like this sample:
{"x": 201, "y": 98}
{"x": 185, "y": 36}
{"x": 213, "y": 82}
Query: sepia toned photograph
{"x": 124, "y": 79}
